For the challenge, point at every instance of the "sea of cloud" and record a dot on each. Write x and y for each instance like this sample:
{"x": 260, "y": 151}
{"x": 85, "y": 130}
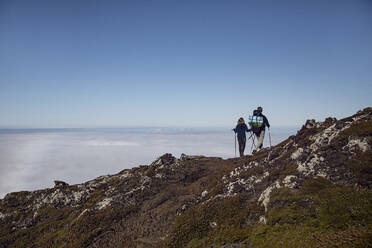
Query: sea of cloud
{"x": 33, "y": 159}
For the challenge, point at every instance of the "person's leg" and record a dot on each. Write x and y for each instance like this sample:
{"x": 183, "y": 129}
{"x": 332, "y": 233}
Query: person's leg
{"x": 243, "y": 147}
{"x": 240, "y": 147}
{"x": 260, "y": 140}
{"x": 255, "y": 148}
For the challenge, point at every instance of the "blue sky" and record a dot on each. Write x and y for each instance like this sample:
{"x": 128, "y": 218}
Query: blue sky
{"x": 182, "y": 63}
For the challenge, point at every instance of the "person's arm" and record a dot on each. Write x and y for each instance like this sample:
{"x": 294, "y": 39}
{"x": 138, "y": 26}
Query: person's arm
{"x": 234, "y": 129}
{"x": 266, "y": 122}
{"x": 246, "y": 129}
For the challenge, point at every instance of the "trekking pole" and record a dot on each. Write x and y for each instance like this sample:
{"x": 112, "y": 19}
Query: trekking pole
{"x": 235, "y": 143}
{"x": 270, "y": 137}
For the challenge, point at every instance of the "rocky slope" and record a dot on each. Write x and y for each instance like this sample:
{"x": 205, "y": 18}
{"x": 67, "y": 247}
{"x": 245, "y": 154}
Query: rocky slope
{"x": 311, "y": 190}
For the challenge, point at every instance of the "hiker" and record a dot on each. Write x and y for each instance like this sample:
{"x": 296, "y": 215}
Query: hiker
{"x": 240, "y": 129}
{"x": 260, "y": 131}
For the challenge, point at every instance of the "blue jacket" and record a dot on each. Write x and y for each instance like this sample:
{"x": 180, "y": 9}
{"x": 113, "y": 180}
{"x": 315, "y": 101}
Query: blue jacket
{"x": 240, "y": 130}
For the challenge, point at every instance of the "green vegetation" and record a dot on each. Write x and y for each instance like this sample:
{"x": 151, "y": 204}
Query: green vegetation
{"x": 203, "y": 224}
{"x": 361, "y": 129}
{"x": 361, "y": 163}
{"x": 45, "y": 234}
{"x": 63, "y": 228}
{"x": 85, "y": 229}
{"x": 362, "y": 168}
{"x": 255, "y": 171}
{"x": 319, "y": 214}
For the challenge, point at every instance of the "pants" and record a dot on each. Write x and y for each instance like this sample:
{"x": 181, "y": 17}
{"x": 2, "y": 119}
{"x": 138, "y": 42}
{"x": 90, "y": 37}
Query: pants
{"x": 241, "y": 146}
{"x": 260, "y": 136}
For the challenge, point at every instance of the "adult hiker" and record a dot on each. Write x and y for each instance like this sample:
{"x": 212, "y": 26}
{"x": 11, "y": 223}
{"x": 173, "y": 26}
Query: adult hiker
{"x": 260, "y": 131}
{"x": 240, "y": 129}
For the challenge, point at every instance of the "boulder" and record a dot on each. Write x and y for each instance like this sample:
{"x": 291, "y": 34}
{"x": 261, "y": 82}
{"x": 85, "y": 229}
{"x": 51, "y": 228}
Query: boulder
{"x": 58, "y": 184}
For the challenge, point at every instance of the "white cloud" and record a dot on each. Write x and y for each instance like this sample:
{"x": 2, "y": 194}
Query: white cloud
{"x": 111, "y": 143}
{"x": 30, "y": 161}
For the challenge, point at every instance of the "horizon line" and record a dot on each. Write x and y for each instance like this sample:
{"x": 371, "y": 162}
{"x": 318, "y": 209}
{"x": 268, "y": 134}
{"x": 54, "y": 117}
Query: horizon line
{"x": 132, "y": 127}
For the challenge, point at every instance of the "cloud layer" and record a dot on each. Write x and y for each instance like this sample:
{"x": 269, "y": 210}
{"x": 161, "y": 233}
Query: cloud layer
{"x": 32, "y": 160}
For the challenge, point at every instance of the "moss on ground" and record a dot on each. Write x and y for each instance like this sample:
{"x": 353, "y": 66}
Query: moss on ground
{"x": 48, "y": 233}
{"x": 361, "y": 163}
{"x": 207, "y": 220}
{"x": 318, "y": 214}
{"x": 89, "y": 226}
{"x": 63, "y": 227}
{"x": 361, "y": 166}
{"x": 361, "y": 129}
{"x": 255, "y": 171}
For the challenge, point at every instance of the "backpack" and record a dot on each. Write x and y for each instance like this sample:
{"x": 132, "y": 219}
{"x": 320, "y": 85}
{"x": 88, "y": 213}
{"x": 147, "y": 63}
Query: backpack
{"x": 255, "y": 122}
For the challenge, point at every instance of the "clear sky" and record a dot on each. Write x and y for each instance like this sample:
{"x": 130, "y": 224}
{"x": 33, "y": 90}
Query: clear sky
{"x": 182, "y": 63}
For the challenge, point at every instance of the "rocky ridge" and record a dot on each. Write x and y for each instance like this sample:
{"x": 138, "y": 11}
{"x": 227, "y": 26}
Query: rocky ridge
{"x": 314, "y": 188}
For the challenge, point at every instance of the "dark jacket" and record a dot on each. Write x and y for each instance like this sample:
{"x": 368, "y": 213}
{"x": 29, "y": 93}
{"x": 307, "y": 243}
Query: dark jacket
{"x": 265, "y": 122}
{"x": 241, "y": 129}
